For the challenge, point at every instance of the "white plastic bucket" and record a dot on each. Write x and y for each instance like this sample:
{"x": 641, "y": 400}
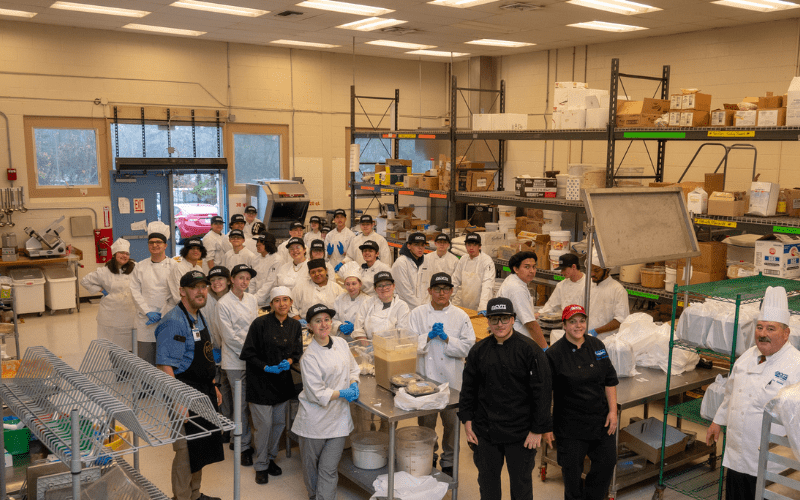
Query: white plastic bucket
{"x": 370, "y": 450}
{"x": 492, "y": 227}
{"x": 554, "y": 255}
{"x": 559, "y": 240}
{"x": 552, "y": 217}
{"x": 415, "y": 450}
{"x": 577, "y": 169}
{"x": 631, "y": 274}
{"x": 671, "y": 278}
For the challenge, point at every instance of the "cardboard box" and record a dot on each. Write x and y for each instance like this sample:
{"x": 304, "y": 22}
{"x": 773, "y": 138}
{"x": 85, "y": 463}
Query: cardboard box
{"x": 771, "y": 117}
{"x": 475, "y": 181}
{"x": 639, "y": 121}
{"x": 778, "y": 255}
{"x": 645, "y": 107}
{"x": 413, "y": 180}
{"x": 722, "y": 117}
{"x": 674, "y": 118}
{"x": 727, "y": 203}
{"x": 676, "y": 102}
{"x": 573, "y": 119}
{"x": 763, "y": 198}
{"x": 540, "y": 245}
{"x": 429, "y": 183}
{"x": 714, "y": 183}
{"x": 699, "y": 276}
{"x": 530, "y": 225}
{"x": 391, "y": 161}
{"x": 481, "y": 121}
{"x": 597, "y": 118}
{"x": 770, "y": 101}
{"x": 713, "y": 258}
{"x": 694, "y": 118}
{"x": 793, "y": 116}
{"x": 540, "y": 187}
{"x": 697, "y": 101}
{"x": 745, "y": 118}
{"x": 645, "y": 438}
{"x": 793, "y": 202}
{"x": 687, "y": 187}
{"x": 509, "y": 121}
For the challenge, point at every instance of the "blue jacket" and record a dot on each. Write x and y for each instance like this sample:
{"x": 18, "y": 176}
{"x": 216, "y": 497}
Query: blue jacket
{"x": 174, "y": 340}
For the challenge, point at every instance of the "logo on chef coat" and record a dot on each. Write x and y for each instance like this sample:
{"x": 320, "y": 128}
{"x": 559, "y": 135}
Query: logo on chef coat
{"x": 781, "y": 377}
{"x": 601, "y": 354}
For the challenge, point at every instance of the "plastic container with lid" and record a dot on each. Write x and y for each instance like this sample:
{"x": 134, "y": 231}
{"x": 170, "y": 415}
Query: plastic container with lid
{"x": 415, "y": 450}
{"x": 559, "y": 240}
{"x": 370, "y": 450}
{"x": 554, "y": 255}
{"x": 653, "y": 277}
{"x": 395, "y": 353}
{"x": 631, "y": 273}
{"x": 59, "y": 293}
{"x": 29, "y": 289}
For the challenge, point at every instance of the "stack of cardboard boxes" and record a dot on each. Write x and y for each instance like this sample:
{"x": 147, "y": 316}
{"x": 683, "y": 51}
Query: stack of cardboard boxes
{"x": 712, "y": 265}
{"x": 689, "y": 110}
{"x": 641, "y": 113}
{"x": 579, "y": 107}
{"x": 769, "y": 112}
{"x": 499, "y": 122}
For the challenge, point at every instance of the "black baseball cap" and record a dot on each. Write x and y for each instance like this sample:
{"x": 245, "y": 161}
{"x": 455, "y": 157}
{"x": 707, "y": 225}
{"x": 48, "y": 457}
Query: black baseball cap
{"x": 416, "y": 238}
{"x": 295, "y": 241}
{"x": 243, "y": 268}
{"x": 324, "y": 226}
{"x": 383, "y": 276}
{"x": 316, "y": 263}
{"x": 317, "y": 245}
{"x": 250, "y": 209}
{"x": 441, "y": 279}
{"x": 296, "y": 225}
{"x": 315, "y": 218}
{"x": 319, "y": 308}
{"x": 237, "y": 218}
{"x": 236, "y": 233}
{"x": 473, "y": 238}
{"x": 192, "y": 278}
{"x": 194, "y": 242}
{"x": 219, "y": 271}
{"x": 258, "y": 228}
{"x": 217, "y": 220}
{"x": 339, "y": 211}
{"x": 567, "y": 260}
{"x": 442, "y": 237}
{"x": 370, "y": 245}
{"x": 500, "y": 306}
{"x": 366, "y": 219}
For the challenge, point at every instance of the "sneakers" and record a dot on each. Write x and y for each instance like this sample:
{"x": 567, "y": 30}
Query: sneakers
{"x": 273, "y": 469}
{"x": 262, "y": 477}
{"x": 206, "y": 497}
{"x": 247, "y": 457}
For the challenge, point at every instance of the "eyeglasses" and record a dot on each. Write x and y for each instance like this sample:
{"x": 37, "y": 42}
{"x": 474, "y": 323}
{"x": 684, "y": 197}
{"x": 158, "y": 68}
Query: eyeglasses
{"x": 155, "y": 243}
{"x": 495, "y": 320}
{"x": 383, "y": 286}
{"x": 441, "y": 289}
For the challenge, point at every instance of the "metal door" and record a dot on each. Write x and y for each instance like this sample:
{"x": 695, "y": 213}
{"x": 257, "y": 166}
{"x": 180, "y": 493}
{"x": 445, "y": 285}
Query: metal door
{"x": 136, "y": 200}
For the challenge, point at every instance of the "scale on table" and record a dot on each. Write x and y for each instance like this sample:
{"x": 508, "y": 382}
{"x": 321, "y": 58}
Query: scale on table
{"x": 47, "y": 244}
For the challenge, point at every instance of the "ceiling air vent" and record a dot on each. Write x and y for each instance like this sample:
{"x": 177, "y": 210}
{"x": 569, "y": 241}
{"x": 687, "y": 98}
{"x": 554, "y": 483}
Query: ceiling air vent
{"x": 521, "y": 6}
{"x": 396, "y": 30}
{"x": 289, "y": 13}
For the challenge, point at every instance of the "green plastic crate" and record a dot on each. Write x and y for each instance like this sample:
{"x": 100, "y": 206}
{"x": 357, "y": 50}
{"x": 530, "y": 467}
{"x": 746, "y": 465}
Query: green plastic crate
{"x": 17, "y": 442}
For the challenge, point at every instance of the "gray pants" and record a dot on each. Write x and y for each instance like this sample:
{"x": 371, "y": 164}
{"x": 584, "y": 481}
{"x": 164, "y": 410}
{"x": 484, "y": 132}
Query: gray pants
{"x": 268, "y": 424}
{"x": 247, "y": 435}
{"x": 185, "y": 485}
{"x": 450, "y": 423}
{"x": 321, "y": 466}
{"x": 147, "y": 351}
{"x": 226, "y": 408}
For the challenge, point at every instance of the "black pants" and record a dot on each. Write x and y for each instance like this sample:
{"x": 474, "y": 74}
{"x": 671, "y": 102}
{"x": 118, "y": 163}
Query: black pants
{"x": 739, "y": 486}
{"x": 571, "y": 455}
{"x": 519, "y": 460}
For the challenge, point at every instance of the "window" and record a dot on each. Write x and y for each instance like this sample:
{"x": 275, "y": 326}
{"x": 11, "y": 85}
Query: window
{"x": 66, "y": 157}
{"x": 374, "y": 150}
{"x": 256, "y": 152}
{"x": 158, "y": 138}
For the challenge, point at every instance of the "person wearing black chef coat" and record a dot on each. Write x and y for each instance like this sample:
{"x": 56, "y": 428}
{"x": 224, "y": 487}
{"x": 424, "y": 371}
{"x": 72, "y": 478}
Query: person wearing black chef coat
{"x": 505, "y": 403}
{"x": 184, "y": 351}
{"x": 584, "y": 408}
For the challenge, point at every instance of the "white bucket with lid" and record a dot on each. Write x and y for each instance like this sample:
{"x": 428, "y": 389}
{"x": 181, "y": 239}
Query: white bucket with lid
{"x": 415, "y": 450}
{"x": 559, "y": 240}
{"x": 370, "y": 450}
{"x": 507, "y": 212}
{"x": 631, "y": 274}
{"x": 554, "y": 255}
{"x": 552, "y": 217}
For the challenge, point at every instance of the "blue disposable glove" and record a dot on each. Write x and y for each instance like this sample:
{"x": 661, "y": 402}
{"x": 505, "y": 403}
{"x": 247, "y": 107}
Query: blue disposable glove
{"x": 105, "y": 294}
{"x": 346, "y": 328}
{"x": 303, "y": 323}
{"x": 272, "y": 369}
{"x": 354, "y": 386}
{"x": 442, "y": 335}
{"x": 340, "y": 247}
{"x": 330, "y": 248}
{"x": 349, "y": 394}
{"x": 217, "y": 355}
{"x": 482, "y": 313}
{"x": 436, "y": 330}
{"x": 593, "y": 332}
{"x": 154, "y": 317}
{"x": 284, "y": 365}
{"x": 338, "y": 266}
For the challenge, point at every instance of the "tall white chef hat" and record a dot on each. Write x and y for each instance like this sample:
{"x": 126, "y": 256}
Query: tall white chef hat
{"x": 775, "y": 306}
{"x": 351, "y": 269}
{"x": 595, "y": 257}
{"x": 158, "y": 229}
{"x": 121, "y": 245}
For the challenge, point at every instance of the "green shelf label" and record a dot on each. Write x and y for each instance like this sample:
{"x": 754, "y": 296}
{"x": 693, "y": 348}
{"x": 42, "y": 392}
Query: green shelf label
{"x": 558, "y": 277}
{"x": 786, "y": 230}
{"x": 506, "y": 269}
{"x": 643, "y": 294}
{"x": 654, "y": 135}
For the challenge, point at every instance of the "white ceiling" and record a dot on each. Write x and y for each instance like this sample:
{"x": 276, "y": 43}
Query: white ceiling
{"x": 446, "y": 27}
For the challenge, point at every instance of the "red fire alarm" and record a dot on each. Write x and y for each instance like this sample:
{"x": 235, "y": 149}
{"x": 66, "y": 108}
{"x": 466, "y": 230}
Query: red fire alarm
{"x": 12, "y": 174}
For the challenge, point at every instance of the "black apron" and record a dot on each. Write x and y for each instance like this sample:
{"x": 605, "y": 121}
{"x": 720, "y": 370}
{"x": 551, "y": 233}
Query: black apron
{"x": 200, "y": 376}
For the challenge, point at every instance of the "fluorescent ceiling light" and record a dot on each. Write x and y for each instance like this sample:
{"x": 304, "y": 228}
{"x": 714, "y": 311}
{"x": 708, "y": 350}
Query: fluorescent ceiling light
{"x": 163, "y": 29}
{"x": 344, "y": 7}
{"x": 401, "y": 45}
{"x": 99, "y": 9}
{"x": 758, "y": 5}
{"x": 617, "y": 6}
{"x": 219, "y": 8}
{"x": 603, "y": 26}
{"x": 461, "y": 4}
{"x": 16, "y": 13}
{"x": 438, "y": 53}
{"x": 499, "y": 43}
{"x": 305, "y": 44}
{"x": 371, "y": 24}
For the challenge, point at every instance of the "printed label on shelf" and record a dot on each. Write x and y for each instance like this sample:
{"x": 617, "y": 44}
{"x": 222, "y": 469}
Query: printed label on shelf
{"x": 786, "y": 230}
{"x": 406, "y": 192}
{"x": 406, "y": 136}
{"x": 426, "y": 136}
{"x": 368, "y": 188}
{"x": 731, "y": 133}
{"x": 637, "y": 293}
{"x": 714, "y": 222}
{"x": 437, "y": 195}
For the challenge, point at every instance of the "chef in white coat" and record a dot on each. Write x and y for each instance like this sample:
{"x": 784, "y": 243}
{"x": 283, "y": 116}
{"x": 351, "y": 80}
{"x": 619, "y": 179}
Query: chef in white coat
{"x": 295, "y": 231}
{"x": 314, "y": 234}
{"x": 250, "y": 218}
{"x": 214, "y": 241}
{"x": 570, "y": 290}
{"x": 515, "y": 288}
{"x": 316, "y": 250}
{"x": 382, "y": 312}
{"x": 609, "y": 301}
{"x": 442, "y": 260}
{"x": 337, "y": 242}
{"x": 237, "y": 222}
{"x": 317, "y": 289}
{"x": 445, "y": 336}
{"x": 116, "y": 312}
{"x": 368, "y": 234}
{"x": 150, "y": 289}
{"x": 266, "y": 264}
{"x": 372, "y": 265}
{"x": 296, "y": 270}
{"x": 250, "y": 240}
{"x": 757, "y": 376}
{"x": 474, "y": 277}
{"x": 238, "y": 254}
{"x": 411, "y": 271}
{"x": 192, "y": 255}
{"x": 349, "y": 302}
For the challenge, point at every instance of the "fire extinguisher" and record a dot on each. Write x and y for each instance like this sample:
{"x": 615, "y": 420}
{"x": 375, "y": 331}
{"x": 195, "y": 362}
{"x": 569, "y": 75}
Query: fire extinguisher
{"x": 102, "y": 245}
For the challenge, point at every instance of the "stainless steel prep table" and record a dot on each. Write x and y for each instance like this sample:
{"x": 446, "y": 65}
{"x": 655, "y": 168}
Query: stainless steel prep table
{"x": 650, "y": 385}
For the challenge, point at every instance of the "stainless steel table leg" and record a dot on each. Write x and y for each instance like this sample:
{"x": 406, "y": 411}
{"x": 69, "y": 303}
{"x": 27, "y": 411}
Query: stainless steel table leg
{"x": 456, "y": 459}
{"x": 391, "y": 460}
{"x": 613, "y": 493}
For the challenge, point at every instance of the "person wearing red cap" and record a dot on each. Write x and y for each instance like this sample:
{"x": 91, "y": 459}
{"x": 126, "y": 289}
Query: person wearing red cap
{"x": 584, "y": 408}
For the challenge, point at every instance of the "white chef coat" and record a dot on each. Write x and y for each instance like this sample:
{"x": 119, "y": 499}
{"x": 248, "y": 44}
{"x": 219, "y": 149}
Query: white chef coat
{"x": 568, "y": 292}
{"x": 248, "y": 229}
{"x": 116, "y": 313}
{"x": 307, "y": 293}
{"x": 325, "y": 371}
{"x": 180, "y": 268}
{"x": 214, "y": 247}
{"x": 283, "y": 252}
{"x": 609, "y": 301}
{"x": 311, "y": 236}
{"x": 368, "y": 276}
{"x": 517, "y": 292}
{"x": 347, "y": 308}
{"x": 372, "y": 317}
{"x": 409, "y": 281}
{"x": 244, "y": 256}
{"x": 226, "y": 244}
{"x": 250, "y": 244}
{"x": 235, "y": 317}
{"x": 439, "y": 360}
{"x": 289, "y": 274}
{"x": 354, "y": 254}
{"x": 750, "y": 387}
{"x": 446, "y": 264}
{"x": 211, "y": 316}
{"x": 473, "y": 281}
{"x": 345, "y": 236}
{"x": 266, "y": 267}
{"x": 150, "y": 293}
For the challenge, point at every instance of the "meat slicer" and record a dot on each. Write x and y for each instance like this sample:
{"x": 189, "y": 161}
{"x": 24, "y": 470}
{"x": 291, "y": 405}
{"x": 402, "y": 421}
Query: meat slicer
{"x": 47, "y": 244}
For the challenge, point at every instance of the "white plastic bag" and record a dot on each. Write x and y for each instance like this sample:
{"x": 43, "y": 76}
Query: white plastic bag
{"x": 621, "y": 356}
{"x": 720, "y": 335}
{"x": 713, "y": 398}
{"x": 409, "y": 487}
{"x": 436, "y": 401}
{"x": 657, "y": 354}
{"x": 695, "y": 321}
{"x": 786, "y": 408}
{"x": 637, "y": 330}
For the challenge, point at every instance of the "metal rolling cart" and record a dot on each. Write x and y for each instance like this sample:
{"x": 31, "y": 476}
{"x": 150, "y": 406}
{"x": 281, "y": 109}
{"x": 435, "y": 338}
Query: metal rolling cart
{"x": 114, "y": 396}
{"x": 765, "y": 457}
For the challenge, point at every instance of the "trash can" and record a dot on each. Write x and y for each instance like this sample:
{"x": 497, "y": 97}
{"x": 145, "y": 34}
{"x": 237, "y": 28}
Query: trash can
{"x": 29, "y": 289}
{"x": 59, "y": 293}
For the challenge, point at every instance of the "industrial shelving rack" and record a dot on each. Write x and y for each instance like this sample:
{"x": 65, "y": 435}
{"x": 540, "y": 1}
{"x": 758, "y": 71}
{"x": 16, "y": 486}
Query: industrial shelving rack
{"x": 765, "y": 456}
{"x": 702, "y": 481}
